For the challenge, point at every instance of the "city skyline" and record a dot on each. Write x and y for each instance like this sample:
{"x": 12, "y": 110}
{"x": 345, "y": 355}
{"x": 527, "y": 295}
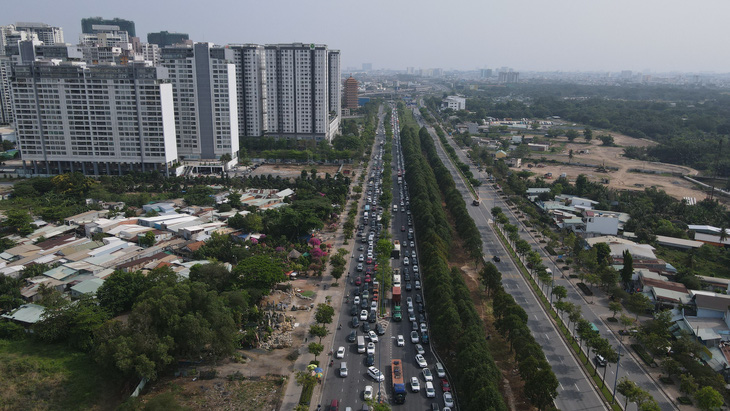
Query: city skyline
{"x": 528, "y": 35}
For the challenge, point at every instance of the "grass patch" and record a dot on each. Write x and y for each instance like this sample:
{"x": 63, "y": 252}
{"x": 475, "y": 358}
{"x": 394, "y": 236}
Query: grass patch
{"x": 307, "y": 391}
{"x": 308, "y": 293}
{"x": 612, "y": 319}
{"x": 47, "y": 376}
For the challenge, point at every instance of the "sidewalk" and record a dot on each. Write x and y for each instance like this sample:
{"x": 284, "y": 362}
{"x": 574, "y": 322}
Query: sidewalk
{"x": 293, "y": 390}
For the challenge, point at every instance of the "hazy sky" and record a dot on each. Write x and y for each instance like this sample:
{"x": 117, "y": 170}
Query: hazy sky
{"x": 549, "y": 35}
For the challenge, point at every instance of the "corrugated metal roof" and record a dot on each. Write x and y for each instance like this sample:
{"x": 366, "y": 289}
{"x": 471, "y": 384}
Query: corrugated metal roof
{"x": 27, "y": 313}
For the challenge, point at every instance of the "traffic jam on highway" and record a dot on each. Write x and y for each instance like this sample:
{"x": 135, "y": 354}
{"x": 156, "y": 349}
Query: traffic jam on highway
{"x": 367, "y": 367}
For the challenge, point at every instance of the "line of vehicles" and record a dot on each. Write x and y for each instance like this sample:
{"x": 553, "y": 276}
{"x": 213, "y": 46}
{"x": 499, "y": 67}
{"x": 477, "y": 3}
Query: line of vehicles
{"x": 409, "y": 364}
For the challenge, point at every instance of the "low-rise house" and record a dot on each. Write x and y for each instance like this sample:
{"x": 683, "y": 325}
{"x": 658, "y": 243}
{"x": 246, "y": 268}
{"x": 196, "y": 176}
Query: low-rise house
{"x": 86, "y": 217}
{"x": 538, "y": 147}
{"x": 26, "y": 315}
{"x": 514, "y": 162}
{"x": 86, "y": 287}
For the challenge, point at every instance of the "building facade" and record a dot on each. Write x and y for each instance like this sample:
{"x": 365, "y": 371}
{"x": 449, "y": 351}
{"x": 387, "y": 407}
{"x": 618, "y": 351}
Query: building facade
{"x": 93, "y": 119}
{"x": 250, "y": 62}
{"x": 164, "y": 38}
{"x": 203, "y": 77}
{"x": 351, "y": 93}
{"x": 302, "y": 101}
{"x": 126, "y": 25}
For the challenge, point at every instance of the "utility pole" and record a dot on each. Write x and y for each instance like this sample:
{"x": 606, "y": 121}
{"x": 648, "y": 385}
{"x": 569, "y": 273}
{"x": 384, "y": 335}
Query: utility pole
{"x": 618, "y": 366}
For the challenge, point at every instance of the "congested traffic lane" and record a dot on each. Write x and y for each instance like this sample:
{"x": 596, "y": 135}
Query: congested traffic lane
{"x": 350, "y": 391}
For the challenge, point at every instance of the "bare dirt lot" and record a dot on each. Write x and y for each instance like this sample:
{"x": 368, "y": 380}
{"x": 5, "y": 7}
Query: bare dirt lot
{"x": 667, "y": 179}
{"x": 292, "y": 171}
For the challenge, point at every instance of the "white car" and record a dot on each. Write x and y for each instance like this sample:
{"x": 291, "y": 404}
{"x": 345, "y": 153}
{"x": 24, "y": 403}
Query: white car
{"x": 440, "y": 371}
{"x": 430, "y": 392}
{"x": 371, "y": 348}
{"x": 414, "y": 337}
{"x": 356, "y": 300}
{"x": 406, "y": 261}
{"x": 340, "y": 353}
{"x": 361, "y": 258}
{"x": 368, "y": 393}
{"x": 427, "y": 374}
{"x": 401, "y": 341}
{"x": 419, "y": 349}
{"x": 373, "y": 337}
{"x": 375, "y": 374}
{"x": 448, "y": 399}
{"x": 421, "y": 361}
{"x": 415, "y": 386}
{"x": 363, "y": 315}
{"x": 415, "y": 268}
{"x": 424, "y": 328}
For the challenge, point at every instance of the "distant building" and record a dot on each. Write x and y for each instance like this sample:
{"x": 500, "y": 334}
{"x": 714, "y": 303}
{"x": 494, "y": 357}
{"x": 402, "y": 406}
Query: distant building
{"x": 454, "y": 102}
{"x": 509, "y": 77}
{"x": 367, "y": 66}
{"x": 164, "y": 38}
{"x": 126, "y": 25}
{"x": 11, "y": 34}
{"x": 351, "y": 93}
{"x": 485, "y": 73}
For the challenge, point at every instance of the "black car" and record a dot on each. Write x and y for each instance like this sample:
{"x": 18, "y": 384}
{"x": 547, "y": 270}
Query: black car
{"x": 353, "y": 310}
{"x": 352, "y": 337}
{"x": 419, "y": 299}
{"x": 379, "y": 329}
{"x": 496, "y": 259}
{"x": 420, "y": 308}
{"x": 355, "y": 322}
{"x": 357, "y": 291}
{"x": 370, "y": 360}
{"x": 365, "y": 327}
{"x": 410, "y": 236}
{"x": 409, "y": 287}
{"x": 364, "y": 304}
{"x": 406, "y": 277}
{"x": 372, "y": 318}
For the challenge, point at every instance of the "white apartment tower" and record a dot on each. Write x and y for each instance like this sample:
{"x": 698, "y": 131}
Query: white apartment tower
{"x": 206, "y": 107}
{"x": 335, "y": 96}
{"x": 298, "y": 91}
{"x": 93, "y": 119}
{"x": 250, "y": 62}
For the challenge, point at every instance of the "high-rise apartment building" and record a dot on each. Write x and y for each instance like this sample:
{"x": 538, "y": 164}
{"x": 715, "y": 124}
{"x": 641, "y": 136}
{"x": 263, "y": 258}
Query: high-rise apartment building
{"x": 6, "y": 107}
{"x": 250, "y": 62}
{"x": 301, "y": 102}
{"x": 87, "y": 24}
{"x": 164, "y": 38}
{"x": 93, "y": 119}
{"x": 509, "y": 77}
{"x": 335, "y": 96}
{"x": 203, "y": 77}
{"x": 351, "y": 93}
{"x": 150, "y": 52}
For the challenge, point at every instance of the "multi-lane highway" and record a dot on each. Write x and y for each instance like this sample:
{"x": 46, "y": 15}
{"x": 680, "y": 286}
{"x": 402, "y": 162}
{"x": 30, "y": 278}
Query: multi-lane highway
{"x": 349, "y": 391}
{"x": 575, "y": 391}
{"x": 577, "y": 396}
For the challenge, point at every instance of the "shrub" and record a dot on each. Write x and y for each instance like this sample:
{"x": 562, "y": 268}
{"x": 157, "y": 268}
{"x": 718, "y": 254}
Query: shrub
{"x": 292, "y": 356}
{"x": 643, "y": 354}
{"x": 307, "y": 391}
{"x": 612, "y": 319}
{"x": 684, "y": 400}
{"x": 666, "y": 380}
{"x": 549, "y": 249}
